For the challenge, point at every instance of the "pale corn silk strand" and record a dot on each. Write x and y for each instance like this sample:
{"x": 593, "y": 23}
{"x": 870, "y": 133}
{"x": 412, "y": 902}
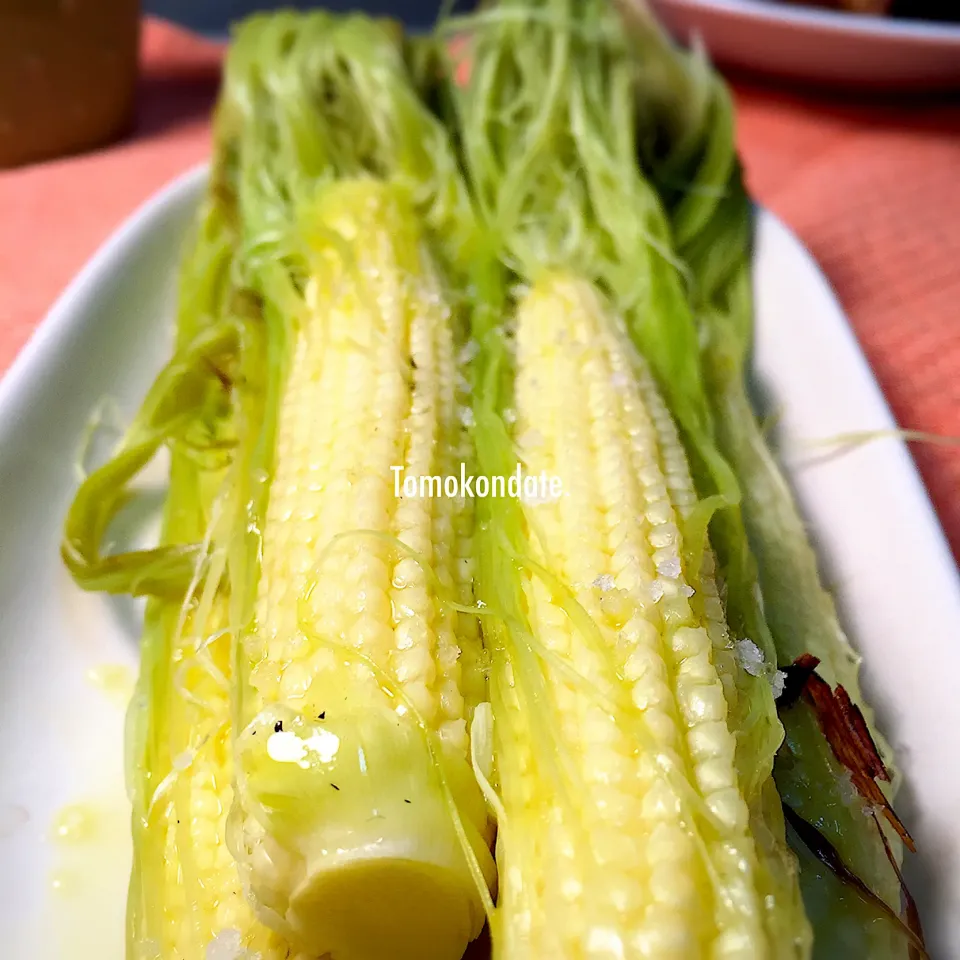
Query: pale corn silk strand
{"x": 841, "y": 444}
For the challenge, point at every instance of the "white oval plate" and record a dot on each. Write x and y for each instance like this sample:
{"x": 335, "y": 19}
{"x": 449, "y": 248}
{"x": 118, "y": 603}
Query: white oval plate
{"x": 62, "y": 736}
{"x": 820, "y": 46}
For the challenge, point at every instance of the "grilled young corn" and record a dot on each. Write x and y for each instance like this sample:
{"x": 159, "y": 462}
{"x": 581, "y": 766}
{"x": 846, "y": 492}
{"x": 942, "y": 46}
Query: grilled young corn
{"x": 360, "y": 829}
{"x": 299, "y": 743}
{"x": 624, "y": 831}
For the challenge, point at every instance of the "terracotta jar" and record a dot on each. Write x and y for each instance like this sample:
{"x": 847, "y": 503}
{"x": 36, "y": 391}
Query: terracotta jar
{"x": 67, "y": 75}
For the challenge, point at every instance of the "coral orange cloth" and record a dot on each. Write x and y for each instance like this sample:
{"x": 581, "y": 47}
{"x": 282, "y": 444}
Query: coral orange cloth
{"x": 872, "y": 190}
{"x": 874, "y": 193}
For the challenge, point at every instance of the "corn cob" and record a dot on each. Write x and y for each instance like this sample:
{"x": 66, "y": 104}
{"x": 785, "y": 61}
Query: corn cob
{"x": 359, "y": 827}
{"x": 628, "y": 836}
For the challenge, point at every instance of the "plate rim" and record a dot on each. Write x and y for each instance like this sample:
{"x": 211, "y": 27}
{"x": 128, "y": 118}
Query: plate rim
{"x": 863, "y": 26}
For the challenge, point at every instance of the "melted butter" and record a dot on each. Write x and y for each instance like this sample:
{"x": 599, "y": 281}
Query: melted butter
{"x": 74, "y": 824}
{"x": 91, "y": 846}
{"x": 115, "y": 680}
{"x": 65, "y": 883}
{"x": 88, "y": 880}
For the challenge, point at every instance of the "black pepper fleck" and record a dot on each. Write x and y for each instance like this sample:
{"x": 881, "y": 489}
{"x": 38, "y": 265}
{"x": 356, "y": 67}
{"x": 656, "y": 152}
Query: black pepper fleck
{"x": 322, "y": 715}
{"x": 405, "y": 800}
{"x": 335, "y": 787}
{"x": 278, "y": 727}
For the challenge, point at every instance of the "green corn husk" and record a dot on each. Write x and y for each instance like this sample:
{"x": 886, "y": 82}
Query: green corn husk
{"x": 685, "y": 117}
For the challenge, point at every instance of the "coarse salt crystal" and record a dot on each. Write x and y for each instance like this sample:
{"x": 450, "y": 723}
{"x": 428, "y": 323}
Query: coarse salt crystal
{"x": 848, "y": 791}
{"x": 604, "y": 582}
{"x": 669, "y": 568}
{"x": 148, "y": 949}
{"x": 226, "y": 945}
{"x": 750, "y": 657}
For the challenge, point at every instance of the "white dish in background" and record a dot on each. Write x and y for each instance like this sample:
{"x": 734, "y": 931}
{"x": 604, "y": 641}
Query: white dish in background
{"x": 824, "y": 47}
{"x": 62, "y": 737}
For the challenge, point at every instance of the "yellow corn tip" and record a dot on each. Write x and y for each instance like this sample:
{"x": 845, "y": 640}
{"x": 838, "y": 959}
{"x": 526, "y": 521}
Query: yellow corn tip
{"x": 626, "y": 836}
{"x": 356, "y": 661}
